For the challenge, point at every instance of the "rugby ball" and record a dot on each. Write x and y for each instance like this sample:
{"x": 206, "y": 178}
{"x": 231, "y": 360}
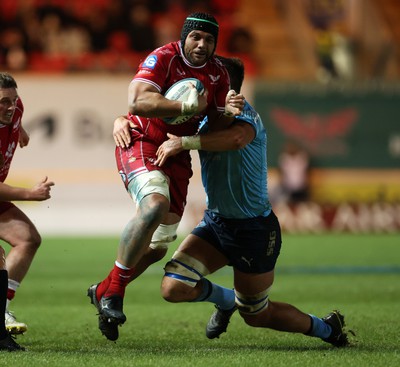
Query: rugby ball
{"x": 179, "y": 91}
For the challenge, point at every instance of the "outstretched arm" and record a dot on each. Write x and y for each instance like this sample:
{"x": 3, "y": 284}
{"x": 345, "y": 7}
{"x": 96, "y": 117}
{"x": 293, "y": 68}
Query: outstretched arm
{"x": 39, "y": 192}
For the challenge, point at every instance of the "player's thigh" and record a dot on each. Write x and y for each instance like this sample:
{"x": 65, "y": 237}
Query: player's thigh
{"x": 203, "y": 252}
{"x": 252, "y": 283}
{"x": 16, "y": 227}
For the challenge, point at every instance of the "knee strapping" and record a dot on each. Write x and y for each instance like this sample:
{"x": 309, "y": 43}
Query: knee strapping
{"x": 164, "y": 235}
{"x": 153, "y": 182}
{"x": 252, "y": 305}
{"x": 185, "y": 269}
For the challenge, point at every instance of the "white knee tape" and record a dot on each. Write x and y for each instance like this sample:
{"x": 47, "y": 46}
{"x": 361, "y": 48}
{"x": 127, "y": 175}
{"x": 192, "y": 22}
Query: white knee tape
{"x": 153, "y": 182}
{"x": 185, "y": 269}
{"x": 164, "y": 235}
{"x": 252, "y": 305}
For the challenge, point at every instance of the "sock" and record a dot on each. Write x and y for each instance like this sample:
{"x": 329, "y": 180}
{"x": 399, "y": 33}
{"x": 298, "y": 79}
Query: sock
{"x": 223, "y": 297}
{"x": 12, "y": 287}
{"x": 120, "y": 277}
{"x": 103, "y": 286}
{"x": 319, "y": 328}
{"x": 3, "y": 300}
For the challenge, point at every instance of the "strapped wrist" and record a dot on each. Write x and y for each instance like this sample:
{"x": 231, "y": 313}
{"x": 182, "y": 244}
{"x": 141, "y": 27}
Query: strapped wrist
{"x": 191, "y": 142}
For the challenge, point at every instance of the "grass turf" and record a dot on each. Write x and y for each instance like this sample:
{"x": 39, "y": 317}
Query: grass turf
{"x": 358, "y": 274}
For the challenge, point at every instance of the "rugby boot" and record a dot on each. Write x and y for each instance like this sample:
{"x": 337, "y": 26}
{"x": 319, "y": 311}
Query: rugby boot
{"x": 108, "y": 329}
{"x": 9, "y": 344}
{"x": 338, "y": 337}
{"x": 218, "y": 322}
{"x": 13, "y": 326}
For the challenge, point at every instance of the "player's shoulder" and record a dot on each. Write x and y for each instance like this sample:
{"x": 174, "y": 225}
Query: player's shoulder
{"x": 249, "y": 115}
{"x": 168, "y": 50}
{"x": 161, "y": 55}
{"x": 216, "y": 63}
{"x": 20, "y": 105}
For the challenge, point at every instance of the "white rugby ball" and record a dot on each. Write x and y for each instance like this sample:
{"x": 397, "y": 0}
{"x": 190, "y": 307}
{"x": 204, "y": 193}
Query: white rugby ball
{"x": 179, "y": 91}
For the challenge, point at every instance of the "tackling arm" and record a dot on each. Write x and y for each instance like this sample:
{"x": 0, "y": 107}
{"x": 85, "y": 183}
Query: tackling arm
{"x": 234, "y": 138}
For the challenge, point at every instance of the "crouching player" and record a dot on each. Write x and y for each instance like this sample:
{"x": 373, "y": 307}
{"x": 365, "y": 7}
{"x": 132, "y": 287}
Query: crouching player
{"x": 238, "y": 229}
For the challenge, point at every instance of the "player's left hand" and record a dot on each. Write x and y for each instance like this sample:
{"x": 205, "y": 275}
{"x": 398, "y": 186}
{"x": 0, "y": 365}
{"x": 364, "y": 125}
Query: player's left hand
{"x": 234, "y": 103}
{"x": 170, "y": 147}
{"x": 121, "y": 131}
{"x": 23, "y": 139}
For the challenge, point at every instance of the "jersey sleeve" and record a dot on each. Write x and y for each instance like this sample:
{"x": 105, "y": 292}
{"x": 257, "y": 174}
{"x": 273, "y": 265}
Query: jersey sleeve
{"x": 250, "y": 116}
{"x": 154, "y": 69}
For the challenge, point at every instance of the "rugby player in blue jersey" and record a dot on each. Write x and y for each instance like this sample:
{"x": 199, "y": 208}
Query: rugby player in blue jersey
{"x": 239, "y": 229}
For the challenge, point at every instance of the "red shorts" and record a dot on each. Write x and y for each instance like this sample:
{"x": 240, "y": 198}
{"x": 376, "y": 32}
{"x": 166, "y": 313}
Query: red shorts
{"x": 5, "y": 205}
{"x": 139, "y": 158}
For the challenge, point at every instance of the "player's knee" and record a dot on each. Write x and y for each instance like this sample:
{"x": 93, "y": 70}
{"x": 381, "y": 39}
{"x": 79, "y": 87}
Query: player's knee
{"x": 31, "y": 242}
{"x": 253, "y": 308}
{"x": 36, "y": 241}
{"x": 173, "y": 290}
{"x": 154, "y": 209}
{"x": 181, "y": 276}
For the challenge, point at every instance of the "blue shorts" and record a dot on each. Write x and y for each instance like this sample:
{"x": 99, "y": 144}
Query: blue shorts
{"x": 251, "y": 245}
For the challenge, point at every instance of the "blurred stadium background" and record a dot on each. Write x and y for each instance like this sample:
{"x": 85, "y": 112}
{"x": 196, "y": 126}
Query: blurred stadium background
{"x": 324, "y": 75}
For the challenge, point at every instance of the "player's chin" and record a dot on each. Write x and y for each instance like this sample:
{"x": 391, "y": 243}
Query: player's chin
{"x": 5, "y": 121}
{"x": 198, "y": 59}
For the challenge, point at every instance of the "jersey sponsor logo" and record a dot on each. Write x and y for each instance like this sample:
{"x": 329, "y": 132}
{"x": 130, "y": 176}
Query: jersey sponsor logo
{"x": 150, "y": 62}
{"x": 180, "y": 73}
{"x": 144, "y": 72}
{"x": 213, "y": 78}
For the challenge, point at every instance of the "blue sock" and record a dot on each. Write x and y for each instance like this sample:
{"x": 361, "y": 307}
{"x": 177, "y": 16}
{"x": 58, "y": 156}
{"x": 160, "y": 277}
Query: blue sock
{"x": 319, "y": 328}
{"x": 223, "y": 297}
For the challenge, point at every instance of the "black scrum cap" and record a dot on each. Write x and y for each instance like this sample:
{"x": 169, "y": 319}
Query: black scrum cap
{"x": 200, "y": 22}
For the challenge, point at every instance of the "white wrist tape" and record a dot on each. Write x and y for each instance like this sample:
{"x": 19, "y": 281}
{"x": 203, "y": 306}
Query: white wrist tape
{"x": 191, "y": 142}
{"x": 190, "y": 106}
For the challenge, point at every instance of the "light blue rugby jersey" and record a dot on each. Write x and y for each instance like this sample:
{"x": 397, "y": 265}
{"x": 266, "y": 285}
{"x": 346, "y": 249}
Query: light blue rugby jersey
{"x": 236, "y": 181}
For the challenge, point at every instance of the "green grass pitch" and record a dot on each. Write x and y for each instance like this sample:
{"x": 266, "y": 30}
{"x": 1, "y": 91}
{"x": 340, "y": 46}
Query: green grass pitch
{"x": 357, "y": 274}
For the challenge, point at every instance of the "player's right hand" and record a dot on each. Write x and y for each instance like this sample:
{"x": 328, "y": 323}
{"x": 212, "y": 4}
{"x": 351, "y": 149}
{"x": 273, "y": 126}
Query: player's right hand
{"x": 41, "y": 191}
{"x": 196, "y": 102}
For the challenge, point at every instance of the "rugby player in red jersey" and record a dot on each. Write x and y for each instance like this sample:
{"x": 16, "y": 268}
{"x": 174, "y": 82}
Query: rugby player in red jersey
{"x": 15, "y": 227}
{"x": 160, "y": 193}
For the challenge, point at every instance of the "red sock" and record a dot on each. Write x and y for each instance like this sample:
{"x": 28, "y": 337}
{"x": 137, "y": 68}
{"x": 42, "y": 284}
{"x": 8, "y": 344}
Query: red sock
{"x": 10, "y": 294}
{"x": 120, "y": 278}
{"x": 103, "y": 286}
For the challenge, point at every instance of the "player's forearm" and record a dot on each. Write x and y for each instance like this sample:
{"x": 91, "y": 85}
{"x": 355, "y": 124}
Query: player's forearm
{"x": 154, "y": 105}
{"x": 234, "y": 138}
{"x": 11, "y": 193}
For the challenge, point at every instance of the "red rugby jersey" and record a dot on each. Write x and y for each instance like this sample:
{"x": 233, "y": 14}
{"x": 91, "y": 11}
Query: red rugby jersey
{"x": 9, "y": 135}
{"x": 164, "y": 67}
